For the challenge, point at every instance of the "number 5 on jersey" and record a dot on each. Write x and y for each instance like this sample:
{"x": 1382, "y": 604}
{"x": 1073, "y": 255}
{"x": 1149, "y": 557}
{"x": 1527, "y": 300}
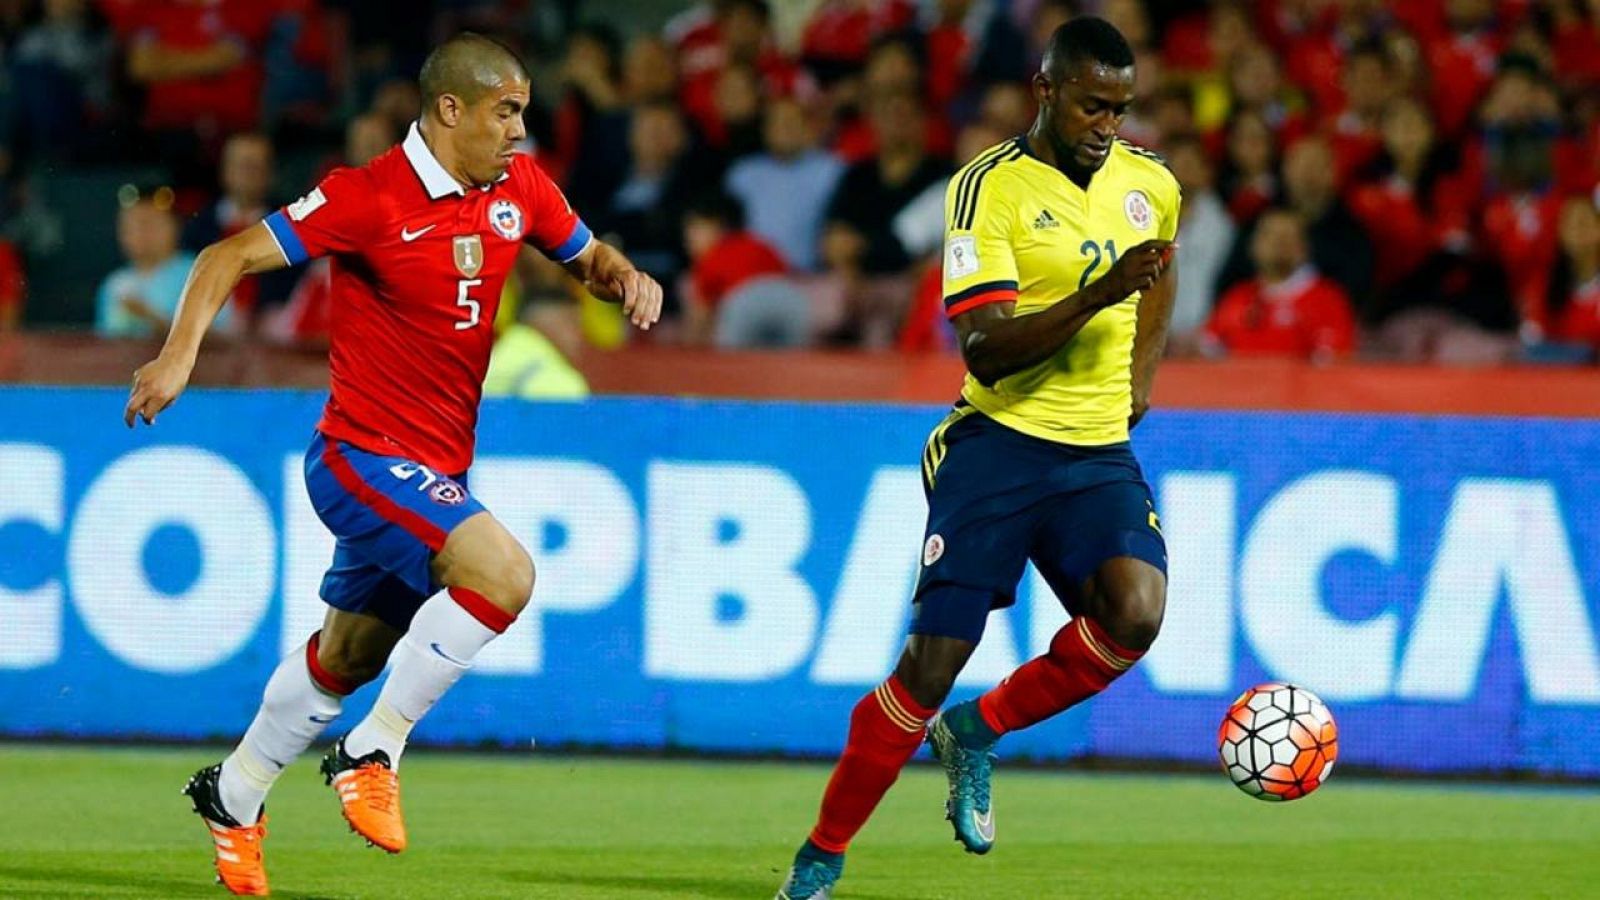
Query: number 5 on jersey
{"x": 468, "y": 303}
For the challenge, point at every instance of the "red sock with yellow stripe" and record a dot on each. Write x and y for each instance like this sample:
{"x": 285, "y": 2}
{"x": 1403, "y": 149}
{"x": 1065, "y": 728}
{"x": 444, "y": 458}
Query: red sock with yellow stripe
{"x": 1082, "y": 661}
{"x": 885, "y": 730}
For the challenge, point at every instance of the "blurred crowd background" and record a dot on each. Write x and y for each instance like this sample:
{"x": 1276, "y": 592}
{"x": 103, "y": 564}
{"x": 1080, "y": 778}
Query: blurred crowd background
{"x": 1414, "y": 181}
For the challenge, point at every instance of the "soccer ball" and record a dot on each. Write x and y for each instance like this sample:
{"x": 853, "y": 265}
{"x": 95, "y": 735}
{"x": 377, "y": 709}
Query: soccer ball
{"x": 1278, "y": 742}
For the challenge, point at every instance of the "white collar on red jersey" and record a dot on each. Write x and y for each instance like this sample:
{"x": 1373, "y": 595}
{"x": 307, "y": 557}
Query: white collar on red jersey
{"x": 435, "y": 179}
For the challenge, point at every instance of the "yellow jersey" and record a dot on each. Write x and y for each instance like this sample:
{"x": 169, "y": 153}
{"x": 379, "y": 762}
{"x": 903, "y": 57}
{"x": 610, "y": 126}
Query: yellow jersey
{"x": 1016, "y": 228}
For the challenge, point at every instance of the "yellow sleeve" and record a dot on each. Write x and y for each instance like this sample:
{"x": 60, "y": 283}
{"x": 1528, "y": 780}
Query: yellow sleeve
{"x": 980, "y": 264}
{"x": 1172, "y": 204}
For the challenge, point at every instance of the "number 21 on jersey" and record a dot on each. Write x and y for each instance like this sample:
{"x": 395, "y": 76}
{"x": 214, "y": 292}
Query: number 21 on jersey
{"x": 1092, "y": 248}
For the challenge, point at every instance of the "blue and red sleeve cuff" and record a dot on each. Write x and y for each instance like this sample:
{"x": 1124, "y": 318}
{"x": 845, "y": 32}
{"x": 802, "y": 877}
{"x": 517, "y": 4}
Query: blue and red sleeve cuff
{"x": 569, "y": 249}
{"x": 980, "y": 295}
{"x": 294, "y": 250}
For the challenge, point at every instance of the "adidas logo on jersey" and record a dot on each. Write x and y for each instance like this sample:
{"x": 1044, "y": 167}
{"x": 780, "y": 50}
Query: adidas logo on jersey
{"x": 1045, "y": 220}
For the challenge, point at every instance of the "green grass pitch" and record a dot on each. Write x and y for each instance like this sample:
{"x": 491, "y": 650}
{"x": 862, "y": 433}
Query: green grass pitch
{"x": 109, "y": 822}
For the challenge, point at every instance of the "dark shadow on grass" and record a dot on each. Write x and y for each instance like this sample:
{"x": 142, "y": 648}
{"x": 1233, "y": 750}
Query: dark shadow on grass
{"x": 735, "y": 888}
{"x": 719, "y": 888}
{"x": 62, "y": 877}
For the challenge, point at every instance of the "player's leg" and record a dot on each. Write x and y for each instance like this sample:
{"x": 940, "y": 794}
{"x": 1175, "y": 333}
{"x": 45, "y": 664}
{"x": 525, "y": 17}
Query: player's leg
{"x": 1118, "y": 619}
{"x": 488, "y": 579}
{"x": 304, "y": 694}
{"x": 1102, "y": 553}
{"x": 973, "y": 557}
{"x": 394, "y": 519}
{"x": 886, "y": 728}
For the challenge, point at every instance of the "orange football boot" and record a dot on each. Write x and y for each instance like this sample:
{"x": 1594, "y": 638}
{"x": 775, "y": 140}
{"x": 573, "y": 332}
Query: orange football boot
{"x": 369, "y": 793}
{"x": 240, "y": 868}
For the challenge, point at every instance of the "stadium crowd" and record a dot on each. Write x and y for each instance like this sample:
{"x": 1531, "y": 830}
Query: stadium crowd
{"x": 1416, "y": 181}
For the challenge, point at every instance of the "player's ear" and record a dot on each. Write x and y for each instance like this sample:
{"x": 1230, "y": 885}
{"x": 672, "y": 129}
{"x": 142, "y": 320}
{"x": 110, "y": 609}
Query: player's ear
{"x": 450, "y": 109}
{"x": 1043, "y": 90}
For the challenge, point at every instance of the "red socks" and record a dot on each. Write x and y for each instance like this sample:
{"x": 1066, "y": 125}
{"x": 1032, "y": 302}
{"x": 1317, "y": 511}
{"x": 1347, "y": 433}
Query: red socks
{"x": 1082, "y": 661}
{"x": 885, "y": 730}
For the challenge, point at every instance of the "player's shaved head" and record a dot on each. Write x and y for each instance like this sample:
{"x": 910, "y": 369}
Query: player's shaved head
{"x": 1085, "y": 39}
{"x": 468, "y": 66}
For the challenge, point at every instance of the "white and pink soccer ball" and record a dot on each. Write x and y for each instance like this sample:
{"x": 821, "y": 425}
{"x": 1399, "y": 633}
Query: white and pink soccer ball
{"x": 1278, "y": 742}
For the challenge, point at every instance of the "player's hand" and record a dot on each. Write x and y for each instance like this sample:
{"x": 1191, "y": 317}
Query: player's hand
{"x": 639, "y": 295}
{"x": 1137, "y": 270}
{"x": 155, "y": 385}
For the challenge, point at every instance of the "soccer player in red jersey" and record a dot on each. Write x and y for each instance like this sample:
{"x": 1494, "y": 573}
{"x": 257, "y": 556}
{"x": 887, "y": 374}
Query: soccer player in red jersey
{"x": 421, "y": 240}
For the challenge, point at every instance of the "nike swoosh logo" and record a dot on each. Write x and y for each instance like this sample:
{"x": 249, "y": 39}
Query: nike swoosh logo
{"x": 985, "y": 823}
{"x": 321, "y": 720}
{"x": 435, "y": 646}
{"x": 408, "y": 236}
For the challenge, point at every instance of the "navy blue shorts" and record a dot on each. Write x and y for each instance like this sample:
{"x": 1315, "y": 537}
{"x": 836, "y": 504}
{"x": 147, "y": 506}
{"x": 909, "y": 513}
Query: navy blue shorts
{"x": 998, "y": 498}
{"x": 390, "y": 516}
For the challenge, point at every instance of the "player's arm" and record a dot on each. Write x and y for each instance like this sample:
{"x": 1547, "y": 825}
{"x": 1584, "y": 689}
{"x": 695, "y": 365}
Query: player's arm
{"x": 563, "y": 237}
{"x": 610, "y": 276}
{"x": 151, "y": 61}
{"x": 1150, "y": 338}
{"x": 995, "y": 343}
{"x": 215, "y": 273}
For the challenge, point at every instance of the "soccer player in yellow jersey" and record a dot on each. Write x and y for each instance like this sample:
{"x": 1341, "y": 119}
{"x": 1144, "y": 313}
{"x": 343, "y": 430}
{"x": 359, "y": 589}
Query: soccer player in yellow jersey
{"x": 1058, "y": 278}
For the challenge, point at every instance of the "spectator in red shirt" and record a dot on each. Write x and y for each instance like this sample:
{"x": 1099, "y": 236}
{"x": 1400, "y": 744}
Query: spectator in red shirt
{"x": 723, "y": 258}
{"x": 306, "y": 318}
{"x": 737, "y": 101}
{"x": 1287, "y": 309}
{"x": 858, "y": 238}
{"x": 893, "y": 68}
{"x": 590, "y": 123}
{"x": 1255, "y": 84}
{"x": 1206, "y": 41}
{"x": 840, "y": 32}
{"x": 1462, "y": 62}
{"x": 1249, "y": 179}
{"x": 200, "y": 61}
{"x": 1576, "y": 42}
{"x": 1410, "y": 203}
{"x": 1355, "y": 131}
{"x": 13, "y": 287}
{"x": 246, "y": 181}
{"x": 1521, "y": 127}
{"x": 744, "y": 37}
{"x": 1573, "y": 292}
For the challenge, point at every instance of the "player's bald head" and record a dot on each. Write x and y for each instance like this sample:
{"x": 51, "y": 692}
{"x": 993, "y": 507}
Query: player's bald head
{"x": 1085, "y": 40}
{"x": 468, "y": 66}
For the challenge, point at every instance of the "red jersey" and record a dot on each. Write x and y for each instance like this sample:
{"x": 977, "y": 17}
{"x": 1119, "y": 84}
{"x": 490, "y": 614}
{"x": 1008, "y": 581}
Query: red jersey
{"x": 418, "y": 262}
{"x": 737, "y": 258}
{"x": 226, "y": 101}
{"x": 1304, "y": 315}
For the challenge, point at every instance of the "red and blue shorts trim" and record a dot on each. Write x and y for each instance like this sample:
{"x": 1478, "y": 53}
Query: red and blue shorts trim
{"x": 389, "y": 515}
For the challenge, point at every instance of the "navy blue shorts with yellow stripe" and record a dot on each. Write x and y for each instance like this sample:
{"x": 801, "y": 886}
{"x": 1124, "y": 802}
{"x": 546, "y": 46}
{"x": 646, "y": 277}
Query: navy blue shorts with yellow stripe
{"x": 998, "y": 498}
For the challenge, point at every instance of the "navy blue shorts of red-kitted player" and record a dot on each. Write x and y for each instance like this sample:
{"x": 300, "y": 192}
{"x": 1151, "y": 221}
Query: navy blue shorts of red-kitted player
{"x": 390, "y": 515}
{"x": 998, "y": 498}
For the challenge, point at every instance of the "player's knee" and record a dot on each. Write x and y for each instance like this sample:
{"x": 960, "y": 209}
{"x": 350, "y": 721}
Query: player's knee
{"x": 520, "y": 578}
{"x": 508, "y": 576}
{"x": 349, "y": 661}
{"x": 1132, "y": 615}
{"x": 928, "y": 687}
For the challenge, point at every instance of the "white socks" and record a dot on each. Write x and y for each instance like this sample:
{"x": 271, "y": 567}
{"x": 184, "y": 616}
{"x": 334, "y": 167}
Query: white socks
{"x": 446, "y": 634}
{"x": 294, "y": 710}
